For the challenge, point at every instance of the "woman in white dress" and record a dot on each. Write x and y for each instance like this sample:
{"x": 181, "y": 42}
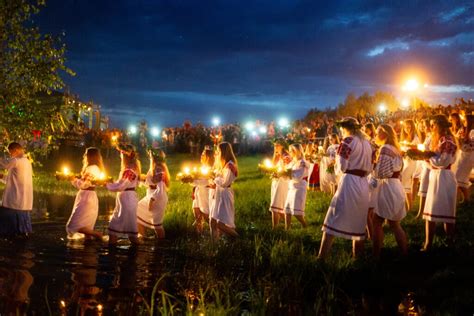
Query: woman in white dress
{"x": 86, "y": 206}
{"x": 465, "y": 158}
{"x": 425, "y": 167}
{"x": 369, "y": 130}
{"x": 222, "y": 214}
{"x": 440, "y": 203}
{"x": 151, "y": 209}
{"x": 408, "y": 139}
{"x": 347, "y": 213}
{"x": 124, "y": 217}
{"x": 279, "y": 189}
{"x": 201, "y": 191}
{"x": 297, "y": 187}
{"x": 328, "y": 177}
{"x": 390, "y": 203}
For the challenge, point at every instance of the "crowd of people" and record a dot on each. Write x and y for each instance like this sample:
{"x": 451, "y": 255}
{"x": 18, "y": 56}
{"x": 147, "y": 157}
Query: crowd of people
{"x": 373, "y": 168}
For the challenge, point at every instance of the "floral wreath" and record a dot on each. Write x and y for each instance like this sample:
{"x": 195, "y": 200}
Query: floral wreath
{"x": 157, "y": 154}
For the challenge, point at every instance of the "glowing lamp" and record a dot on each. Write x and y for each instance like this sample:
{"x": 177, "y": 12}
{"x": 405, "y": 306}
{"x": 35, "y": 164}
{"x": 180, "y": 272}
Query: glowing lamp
{"x": 283, "y": 122}
{"x": 132, "y": 130}
{"x": 216, "y": 121}
{"x": 155, "y": 132}
{"x": 249, "y": 126}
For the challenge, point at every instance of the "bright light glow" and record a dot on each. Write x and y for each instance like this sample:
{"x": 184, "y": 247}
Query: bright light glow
{"x": 132, "y": 129}
{"x": 253, "y": 133}
{"x": 411, "y": 85}
{"x": 283, "y": 122}
{"x": 249, "y": 126}
{"x": 63, "y": 303}
{"x": 66, "y": 171}
{"x": 155, "y": 132}
{"x": 216, "y": 121}
{"x": 99, "y": 307}
{"x": 262, "y": 130}
{"x": 102, "y": 176}
{"x": 268, "y": 163}
{"x": 382, "y": 107}
{"x": 187, "y": 170}
{"x": 204, "y": 170}
{"x": 114, "y": 138}
{"x": 405, "y": 103}
{"x": 421, "y": 147}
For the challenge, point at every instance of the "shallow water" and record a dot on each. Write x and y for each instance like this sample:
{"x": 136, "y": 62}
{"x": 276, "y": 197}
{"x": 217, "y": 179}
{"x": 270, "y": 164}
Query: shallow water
{"x": 47, "y": 272}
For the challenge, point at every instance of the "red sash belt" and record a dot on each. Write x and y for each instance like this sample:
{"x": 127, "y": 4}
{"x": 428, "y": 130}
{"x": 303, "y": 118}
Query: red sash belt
{"x": 357, "y": 172}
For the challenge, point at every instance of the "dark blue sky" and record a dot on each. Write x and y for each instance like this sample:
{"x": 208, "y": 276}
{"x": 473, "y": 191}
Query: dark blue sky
{"x": 167, "y": 61}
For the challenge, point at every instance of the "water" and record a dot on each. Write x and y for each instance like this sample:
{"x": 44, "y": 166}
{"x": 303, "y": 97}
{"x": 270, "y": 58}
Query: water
{"x": 49, "y": 272}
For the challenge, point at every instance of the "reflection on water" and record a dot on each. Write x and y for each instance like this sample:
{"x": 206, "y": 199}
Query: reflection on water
{"x": 15, "y": 282}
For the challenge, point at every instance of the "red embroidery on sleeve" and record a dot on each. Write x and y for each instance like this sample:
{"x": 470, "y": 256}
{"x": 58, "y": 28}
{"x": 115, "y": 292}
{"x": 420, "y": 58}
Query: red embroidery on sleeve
{"x": 344, "y": 150}
{"x": 129, "y": 175}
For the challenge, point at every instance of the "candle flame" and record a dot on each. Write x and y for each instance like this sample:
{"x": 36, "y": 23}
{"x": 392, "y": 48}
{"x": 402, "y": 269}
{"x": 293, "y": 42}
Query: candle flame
{"x": 421, "y": 147}
{"x": 66, "y": 171}
{"x": 187, "y": 170}
{"x": 102, "y": 176}
{"x": 268, "y": 163}
{"x": 204, "y": 170}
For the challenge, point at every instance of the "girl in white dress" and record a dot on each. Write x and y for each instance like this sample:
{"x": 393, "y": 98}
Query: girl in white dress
{"x": 347, "y": 213}
{"x": 151, "y": 209}
{"x": 297, "y": 187}
{"x": 390, "y": 203}
{"x": 425, "y": 167}
{"x": 328, "y": 180}
{"x": 86, "y": 206}
{"x": 440, "y": 203}
{"x": 279, "y": 189}
{"x": 201, "y": 191}
{"x": 408, "y": 139}
{"x": 124, "y": 217}
{"x": 465, "y": 160}
{"x": 222, "y": 213}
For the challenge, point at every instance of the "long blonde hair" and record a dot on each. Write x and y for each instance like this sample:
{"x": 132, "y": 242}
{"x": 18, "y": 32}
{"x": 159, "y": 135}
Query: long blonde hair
{"x": 130, "y": 161}
{"x": 92, "y": 157}
{"x": 391, "y": 136}
{"x": 298, "y": 150}
{"x": 444, "y": 130}
{"x": 226, "y": 154}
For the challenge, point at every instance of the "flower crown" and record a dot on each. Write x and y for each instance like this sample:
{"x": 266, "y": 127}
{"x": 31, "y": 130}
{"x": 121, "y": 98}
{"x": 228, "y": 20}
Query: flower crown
{"x": 158, "y": 154}
{"x": 126, "y": 149}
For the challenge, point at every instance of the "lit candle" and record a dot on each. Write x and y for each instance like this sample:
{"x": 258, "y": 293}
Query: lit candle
{"x": 421, "y": 147}
{"x": 204, "y": 171}
{"x": 268, "y": 163}
{"x": 187, "y": 170}
{"x": 66, "y": 171}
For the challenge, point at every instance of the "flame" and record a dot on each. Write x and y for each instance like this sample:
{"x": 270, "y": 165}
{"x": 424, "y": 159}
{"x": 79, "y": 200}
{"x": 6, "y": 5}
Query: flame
{"x": 204, "y": 171}
{"x": 187, "y": 170}
{"x": 102, "y": 176}
{"x": 66, "y": 171}
{"x": 421, "y": 147}
{"x": 268, "y": 163}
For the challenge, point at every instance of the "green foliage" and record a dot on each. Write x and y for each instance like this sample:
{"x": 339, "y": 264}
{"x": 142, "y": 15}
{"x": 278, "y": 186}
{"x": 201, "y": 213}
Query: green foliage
{"x": 30, "y": 67}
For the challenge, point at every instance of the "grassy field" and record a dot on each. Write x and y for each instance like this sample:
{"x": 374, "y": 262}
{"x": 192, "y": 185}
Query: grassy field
{"x": 267, "y": 272}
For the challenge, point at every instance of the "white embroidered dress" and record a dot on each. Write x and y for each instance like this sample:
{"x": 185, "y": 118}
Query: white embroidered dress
{"x": 347, "y": 213}
{"x": 156, "y": 190}
{"x": 279, "y": 188}
{"x": 124, "y": 217}
{"x": 409, "y": 168}
{"x": 86, "y": 206}
{"x": 440, "y": 203}
{"x": 297, "y": 188}
{"x": 425, "y": 171}
{"x": 390, "y": 203}
{"x": 223, "y": 205}
{"x": 326, "y": 179}
{"x": 465, "y": 161}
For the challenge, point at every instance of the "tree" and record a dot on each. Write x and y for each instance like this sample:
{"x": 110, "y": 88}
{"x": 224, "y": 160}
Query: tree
{"x": 30, "y": 67}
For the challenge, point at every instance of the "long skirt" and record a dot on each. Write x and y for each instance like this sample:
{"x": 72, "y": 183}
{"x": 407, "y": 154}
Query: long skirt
{"x": 124, "y": 217}
{"x": 223, "y": 209}
{"x": 347, "y": 213}
{"x": 84, "y": 212}
{"x": 296, "y": 199}
{"x": 14, "y": 222}
{"x": 440, "y": 203}
{"x": 279, "y": 192}
{"x": 152, "y": 218}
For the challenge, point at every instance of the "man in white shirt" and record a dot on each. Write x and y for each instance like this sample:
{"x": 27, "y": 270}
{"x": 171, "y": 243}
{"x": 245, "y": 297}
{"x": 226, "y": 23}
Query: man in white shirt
{"x": 17, "y": 201}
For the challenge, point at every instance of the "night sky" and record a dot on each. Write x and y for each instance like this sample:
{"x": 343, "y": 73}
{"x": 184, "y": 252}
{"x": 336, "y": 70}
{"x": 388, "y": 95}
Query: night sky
{"x": 168, "y": 61}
